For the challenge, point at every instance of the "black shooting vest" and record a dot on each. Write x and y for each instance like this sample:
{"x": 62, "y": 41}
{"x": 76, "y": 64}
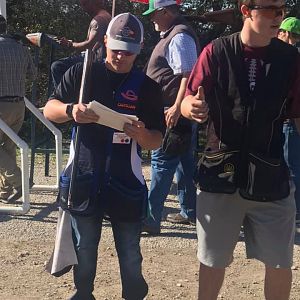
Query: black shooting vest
{"x": 231, "y": 102}
{"x": 158, "y": 68}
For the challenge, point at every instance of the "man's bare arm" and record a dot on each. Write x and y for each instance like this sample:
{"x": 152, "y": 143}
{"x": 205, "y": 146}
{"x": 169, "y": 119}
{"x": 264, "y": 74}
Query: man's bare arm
{"x": 173, "y": 113}
{"x": 195, "y": 107}
{"x": 55, "y": 111}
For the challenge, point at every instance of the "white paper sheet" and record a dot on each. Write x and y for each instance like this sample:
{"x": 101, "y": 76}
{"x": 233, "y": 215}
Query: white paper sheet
{"x": 63, "y": 256}
{"x": 109, "y": 117}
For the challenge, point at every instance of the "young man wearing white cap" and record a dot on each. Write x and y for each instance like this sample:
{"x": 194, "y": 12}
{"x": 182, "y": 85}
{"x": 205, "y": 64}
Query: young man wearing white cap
{"x": 170, "y": 64}
{"x": 117, "y": 188}
{"x": 250, "y": 82}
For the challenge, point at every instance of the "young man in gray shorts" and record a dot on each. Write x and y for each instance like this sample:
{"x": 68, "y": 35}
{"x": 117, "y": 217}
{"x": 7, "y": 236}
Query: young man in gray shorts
{"x": 245, "y": 84}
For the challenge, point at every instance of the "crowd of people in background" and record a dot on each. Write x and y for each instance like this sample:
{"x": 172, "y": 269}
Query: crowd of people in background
{"x": 245, "y": 88}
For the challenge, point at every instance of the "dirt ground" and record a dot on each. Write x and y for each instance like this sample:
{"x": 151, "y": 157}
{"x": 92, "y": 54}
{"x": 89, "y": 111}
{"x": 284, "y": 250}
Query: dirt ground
{"x": 170, "y": 264}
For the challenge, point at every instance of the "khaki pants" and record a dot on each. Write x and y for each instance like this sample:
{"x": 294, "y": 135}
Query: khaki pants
{"x": 12, "y": 113}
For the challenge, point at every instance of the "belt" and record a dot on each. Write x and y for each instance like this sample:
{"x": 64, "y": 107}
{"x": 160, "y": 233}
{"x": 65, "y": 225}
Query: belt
{"x": 11, "y": 99}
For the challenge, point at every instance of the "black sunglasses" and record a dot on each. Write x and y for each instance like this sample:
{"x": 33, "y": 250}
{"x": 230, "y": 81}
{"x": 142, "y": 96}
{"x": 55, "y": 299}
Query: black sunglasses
{"x": 270, "y": 11}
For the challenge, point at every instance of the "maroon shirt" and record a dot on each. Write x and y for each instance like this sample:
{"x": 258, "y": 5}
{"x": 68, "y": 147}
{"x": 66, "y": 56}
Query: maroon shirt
{"x": 202, "y": 74}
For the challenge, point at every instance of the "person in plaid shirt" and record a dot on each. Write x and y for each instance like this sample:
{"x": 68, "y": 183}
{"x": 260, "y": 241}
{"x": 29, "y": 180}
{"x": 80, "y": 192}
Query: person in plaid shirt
{"x": 15, "y": 64}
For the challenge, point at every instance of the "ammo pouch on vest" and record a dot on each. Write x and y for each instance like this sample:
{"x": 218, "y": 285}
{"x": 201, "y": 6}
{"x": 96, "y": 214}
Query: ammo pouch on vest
{"x": 215, "y": 172}
{"x": 266, "y": 179}
{"x": 82, "y": 202}
{"x": 177, "y": 140}
{"x": 123, "y": 204}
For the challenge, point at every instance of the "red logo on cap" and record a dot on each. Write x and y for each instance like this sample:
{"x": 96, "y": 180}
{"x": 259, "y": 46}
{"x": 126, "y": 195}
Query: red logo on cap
{"x": 127, "y": 32}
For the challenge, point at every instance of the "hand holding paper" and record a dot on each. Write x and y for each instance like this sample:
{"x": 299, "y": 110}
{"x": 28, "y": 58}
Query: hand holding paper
{"x": 109, "y": 117}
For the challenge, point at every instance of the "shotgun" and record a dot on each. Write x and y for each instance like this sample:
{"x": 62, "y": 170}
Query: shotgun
{"x": 83, "y": 96}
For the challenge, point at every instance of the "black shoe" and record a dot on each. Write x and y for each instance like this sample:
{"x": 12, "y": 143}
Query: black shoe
{"x": 151, "y": 230}
{"x": 179, "y": 219}
{"x": 16, "y": 194}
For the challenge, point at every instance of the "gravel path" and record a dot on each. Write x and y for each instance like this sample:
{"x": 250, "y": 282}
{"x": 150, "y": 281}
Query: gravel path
{"x": 170, "y": 264}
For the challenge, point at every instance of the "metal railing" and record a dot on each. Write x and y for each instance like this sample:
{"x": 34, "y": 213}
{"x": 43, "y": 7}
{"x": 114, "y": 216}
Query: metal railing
{"x": 58, "y": 146}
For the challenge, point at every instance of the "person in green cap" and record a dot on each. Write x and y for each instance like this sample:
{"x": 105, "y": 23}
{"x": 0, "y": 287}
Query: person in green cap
{"x": 169, "y": 65}
{"x": 289, "y": 30}
{"x": 158, "y": 5}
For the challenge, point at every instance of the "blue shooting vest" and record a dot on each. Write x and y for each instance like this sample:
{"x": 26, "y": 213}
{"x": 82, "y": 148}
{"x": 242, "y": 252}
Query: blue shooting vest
{"x": 101, "y": 159}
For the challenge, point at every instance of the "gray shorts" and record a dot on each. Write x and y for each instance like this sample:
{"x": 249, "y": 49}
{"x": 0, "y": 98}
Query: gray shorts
{"x": 269, "y": 229}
